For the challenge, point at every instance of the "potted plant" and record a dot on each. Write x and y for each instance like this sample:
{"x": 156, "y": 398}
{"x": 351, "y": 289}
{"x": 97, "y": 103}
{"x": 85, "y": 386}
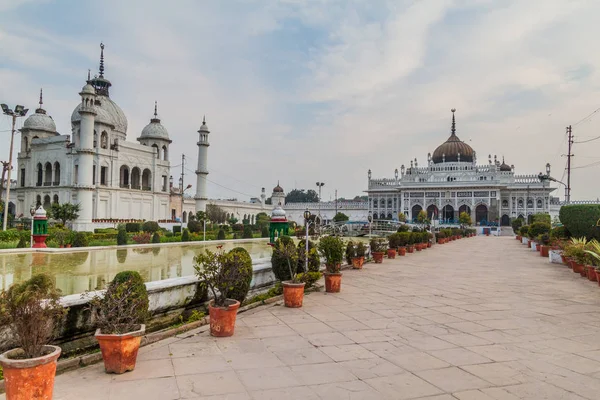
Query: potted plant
{"x": 544, "y": 244}
{"x": 293, "y": 289}
{"x": 593, "y": 250}
{"x": 359, "y": 260}
{"x": 410, "y": 248}
{"x": 332, "y": 249}
{"x": 32, "y": 310}
{"x": 392, "y": 245}
{"x": 402, "y": 240}
{"x": 350, "y": 251}
{"x": 218, "y": 273}
{"x": 575, "y": 251}
{"x": 378, "y": 247}
{"x": 524, "y": 231}
{"x": 120, "y": 316}
{"x": 441, "y": 237}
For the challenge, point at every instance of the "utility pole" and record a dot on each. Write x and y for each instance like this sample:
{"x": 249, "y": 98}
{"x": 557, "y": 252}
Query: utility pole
{"x": 4, "y": 169}
{"x": 181, "y": 190}
{"x": 569, "y": 155}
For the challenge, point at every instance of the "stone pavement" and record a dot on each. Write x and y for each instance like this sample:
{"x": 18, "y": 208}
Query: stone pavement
{"x": 481, "y": 318}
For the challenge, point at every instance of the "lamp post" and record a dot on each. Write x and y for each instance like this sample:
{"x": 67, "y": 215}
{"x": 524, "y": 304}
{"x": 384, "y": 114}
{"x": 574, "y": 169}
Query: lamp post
{"x": 320, "y": 185}
{"x": 306, "y": 225}
{"x": 19, "y": 111}
{"x": 32, "y": 212}
{"x": 370, "y": 218}
{"x": 547, "y": 177}
{"x": 182, "y": 192}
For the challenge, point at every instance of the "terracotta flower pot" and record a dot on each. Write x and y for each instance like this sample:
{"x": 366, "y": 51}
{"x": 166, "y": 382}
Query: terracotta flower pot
{"x": 119, "y": 352}
{"x": 391, "y": 253}
{"x": 29, "y": 379}
{"x": 518, "y": 237}
{"x": 563, "y": 258}
{"x": 591, "y": 272}
{"x": 544, "y": 250}
{"x": 419, "y": 247}
{"x": 222, "y": 319}
{"x": 378, "y": 256}
{"x": 402, "y": 251}
{"x": 293, "y": 294}
{"x": 410, "y": 249}
{"x": 357, "y": 262}
{"x": 598, "y": 276}
{"x": 428, "y": 244}
{"x": 529, "y": 243}
{"x": 333, "y": 282}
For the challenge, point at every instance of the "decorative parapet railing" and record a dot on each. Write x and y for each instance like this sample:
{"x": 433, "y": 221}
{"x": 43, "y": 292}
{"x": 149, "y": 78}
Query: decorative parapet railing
{"x": 354, "y": 205}
{"x": 527, "y": 179}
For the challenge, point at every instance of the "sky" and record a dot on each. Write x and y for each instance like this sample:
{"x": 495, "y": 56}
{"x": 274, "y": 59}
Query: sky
{"x": 301, "y": 91}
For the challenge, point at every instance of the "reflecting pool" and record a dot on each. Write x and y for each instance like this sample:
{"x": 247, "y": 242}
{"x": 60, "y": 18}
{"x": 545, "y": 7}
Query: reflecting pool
{"x": 78, "y": 271}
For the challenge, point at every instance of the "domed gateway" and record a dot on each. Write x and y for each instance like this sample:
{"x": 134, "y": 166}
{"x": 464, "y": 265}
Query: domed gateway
{"x": 451, "y": 182}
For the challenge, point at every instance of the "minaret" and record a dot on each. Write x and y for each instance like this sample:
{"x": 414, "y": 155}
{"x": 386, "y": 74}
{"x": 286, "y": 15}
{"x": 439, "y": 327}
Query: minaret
{"x": 85, "y": 152}
{"x": 263, "y": 197}
{"x": 202, "y": 171}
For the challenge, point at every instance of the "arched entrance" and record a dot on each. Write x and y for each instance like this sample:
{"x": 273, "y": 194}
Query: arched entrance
{"x": 432, "y": 212}
{"x": 481, "y": 213}
{"x": 505, "y": 221}
{"x": 415, "y": 211}
{"x": 448, "y": 213}
{"x": 464, "y": 208}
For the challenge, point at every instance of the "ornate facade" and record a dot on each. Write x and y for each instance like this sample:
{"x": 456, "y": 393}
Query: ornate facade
{"x": 452, "y": 182}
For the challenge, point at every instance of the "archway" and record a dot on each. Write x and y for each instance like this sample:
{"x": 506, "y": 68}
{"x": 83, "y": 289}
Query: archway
{"x": 505, "y": 221}
{"x": 389, "y": 216}
{"x": 432, "y": 212}
{"x": 184, "y": 217}
{"x": 481, "y": 213}
{"x": 464, "y": 208}
{"x": 48, "y": 174}
{"x": 155, "y": 146}
{"x": 56, "y": 173}
{"x": 165, "y": 153}
{"x": 55, "y": 199}
{"x": 124, "y": 176}
{"x": 146, "y": 180}
{"x": 47, "y": 203}
{"x": 135, "y": 178}
{"x": 448, "y": 213}
{"x": 38, "y": 201}
{"x": 40, "y": 174}
{"x": 415, "y": 211}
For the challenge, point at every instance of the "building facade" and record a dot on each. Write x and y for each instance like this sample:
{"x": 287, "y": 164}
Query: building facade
{"x": 453, "y": 182}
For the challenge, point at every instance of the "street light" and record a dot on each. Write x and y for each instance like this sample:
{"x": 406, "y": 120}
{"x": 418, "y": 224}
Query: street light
{"x": 32, "y": 212}
{"x": 19, "y": 111}
{"x": 182, "y": 192}
{"x": 306, "y": 225}
{"x": 370, "y": 218}
{"x": 320, "y": 185}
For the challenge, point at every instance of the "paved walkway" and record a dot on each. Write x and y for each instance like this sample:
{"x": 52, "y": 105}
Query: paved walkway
{"x": 482, "y": 318}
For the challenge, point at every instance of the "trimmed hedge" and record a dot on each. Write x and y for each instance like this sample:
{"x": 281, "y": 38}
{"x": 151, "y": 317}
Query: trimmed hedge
{"x": 542, "y": 218}
{"x": 581, "y": 219}
{"x": 150, "y": 226}
{"x": 538, "y": 228}
{"x": 132, "y": 227}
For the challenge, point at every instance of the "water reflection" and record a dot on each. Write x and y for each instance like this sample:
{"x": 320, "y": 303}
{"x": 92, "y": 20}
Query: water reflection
{"x": 76, "y": 272}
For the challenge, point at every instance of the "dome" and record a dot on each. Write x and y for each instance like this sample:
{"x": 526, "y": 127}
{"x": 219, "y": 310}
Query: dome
{"x": 155, "y": 130}
{"x": 204, "y": 128}
{"x": 108, "y": 112}
{"x": 40, "y": 121}
{"x": 504, "y": 167}
{"x": 40, "y": 213}
{"x": 451, "y": 149}
{"x": 88, "y": 89}
{"x": 277, "y": 189}
{"x": 278, "y": 214}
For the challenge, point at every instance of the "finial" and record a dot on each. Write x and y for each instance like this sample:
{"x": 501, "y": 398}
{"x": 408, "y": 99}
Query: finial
{"x": 453, "y": 130}
{"x": 88, "y": 79}
{"x": 101, "y": 60}
{"x": 155, "y": 111}
{"x": 41, "y": 101}
{"x": 204, "y": 123}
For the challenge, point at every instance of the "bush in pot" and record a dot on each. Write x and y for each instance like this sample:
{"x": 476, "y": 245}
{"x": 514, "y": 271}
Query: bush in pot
{"x": 241, "y": 260}
{"x": 378, "y": 247}
{"x": 293, "y": 288}
{"x": 392, "y": 245}
{"x": 401, "y": 242}
{"x": 120, "y": 317}
{"x": 33, "y": 311}
{"x": 350, "y": 252}
{"x": 593, "y": 250}
{"x": 279, "y": 261}
{"x": 218, "y": 273}
{"x": 314, "y": 261}
{"x": 332, "y": 249}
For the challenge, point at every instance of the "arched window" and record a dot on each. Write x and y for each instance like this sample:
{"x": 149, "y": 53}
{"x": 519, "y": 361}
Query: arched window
{"x": 529, "y": 203}
{"x": 504, "y": 203}
{"x": 48, "y": 174}
{"x": 40, "y": 174}
{"x": 155, "y": 146}
{"x": 539, "y": 203}
{"x": 56, "y": 174}
{"x": 389, "y": 216}
{"x": 375, "y": 203}
{"x": 55, "y": 199}
{"x": 520, "y": 202}
{"x": 47, "y": 202}
{"x": 104, "y": 140}
{"x": 95, "y": 139}
{"x": 184, "y": 216}
{"x": 382, "y": 202}
{"x": 389, "y": 203}
{"x": 124, "y": 176}
{"x": 165, "y": 153}
{"x": 135, "y": 178}
{"x": 38, "y": 201}
{"x": 146, "y": 180}
{"x": 26, "y": 140}
{"x": 381, "y": 216}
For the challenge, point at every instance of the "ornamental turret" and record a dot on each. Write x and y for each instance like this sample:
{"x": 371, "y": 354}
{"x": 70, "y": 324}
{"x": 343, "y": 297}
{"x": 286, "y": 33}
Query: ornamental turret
{"x": 202, "y": 171}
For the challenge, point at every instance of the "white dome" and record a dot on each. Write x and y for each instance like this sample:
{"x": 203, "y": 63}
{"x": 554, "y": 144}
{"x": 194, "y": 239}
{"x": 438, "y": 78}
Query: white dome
{"x": 40, "y": 212}
{"x": 108, "y": 113}
{"x": 88, "y": 89}
{"x": 278, "y": 212}
{"x": 155, "y": 130}
{"x": 40, "y": 121}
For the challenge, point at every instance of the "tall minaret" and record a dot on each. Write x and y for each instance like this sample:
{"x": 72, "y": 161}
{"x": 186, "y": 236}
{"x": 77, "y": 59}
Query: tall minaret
{"x": 85, "y": 152}
{"x": 202, "y": 171}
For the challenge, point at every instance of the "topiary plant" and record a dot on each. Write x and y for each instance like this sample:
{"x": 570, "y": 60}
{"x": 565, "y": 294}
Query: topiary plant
{"x": 156, "y": 238}
{"x": 124, "y": 306}
{"x": 332, "y": 249}
{"x": 264, "y": 231}
{"x": 350, "y": 252}
{"x": 240, "y": 260}
{"x": 150, "y": 226}
{"x": 185, "y": 236}
{"x": 247, "y": 232}
{"x": 284, "y": 250}
{"x": 32, "y": 310}
{"x": 538, "y": 228}
{"x": 22, "y": 244}
{"x": 80, "y": 240}
{"x": 221, "y": 235}
{"x": 122, "y": 237}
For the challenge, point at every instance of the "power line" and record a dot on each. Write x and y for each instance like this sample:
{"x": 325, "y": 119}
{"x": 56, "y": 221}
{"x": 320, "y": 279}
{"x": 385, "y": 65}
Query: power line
{"x": 589, "y": 140}
{"x": 592, "y": 113}
{"x": 225, "y": 187}
{"x": 587, "y": 165}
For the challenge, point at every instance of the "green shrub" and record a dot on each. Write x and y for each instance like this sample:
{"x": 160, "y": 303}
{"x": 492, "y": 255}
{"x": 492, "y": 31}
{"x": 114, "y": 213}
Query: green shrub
{"x": 22, "y": 243}
{"x": 581, "y": 220}
{"x": 284, "y": 257}
{"x": 264, "y": 231}
{"x": 122, "y": 237}
{"x": 240, "y": 259}
{"x": 517, "y": 224}
{"x": 156, "y": 238}
{"x": 538, "y": 228}
{"x": 132, "y": 227}
{"x": 524, "y": 231}
{"x": 314, "y": 261}
{"x": 394, "y": 240}
{"x": 10, "y": 235}
{"x": 221, "y": 235}
{"x": 350, "y": 252}
{"x": 80, "y": 240}
{"x": 378, "y": 245}
{"x": 247, "y": 232}
{"x": 185, "y": 236}
{"x": 124, "y": 305}
{"x": 195, "y": 226}
{"x": 560, "y": 232}
{"x": 332, "y": 249}
{"x": 309, "y": 278}
{"x": 176, "y": 229}
{"x": 542, "y": 218}
{"x": 403, "y": 228}
{"x": 150, "y": 226}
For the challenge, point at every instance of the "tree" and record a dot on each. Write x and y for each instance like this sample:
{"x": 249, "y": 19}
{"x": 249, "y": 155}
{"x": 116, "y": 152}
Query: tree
{"x": 340, "y": 217}
{"x": 299, "y": 196}
{"x": 464, "y": 219}
{"x": 422, "y": 217}
{"x": 65, "y": 212}
{"x": 401, "y": 217}
{"x": 232, "y": 220}
{"x": 262, "y": 219}
{"x": 247, "y": 232}
{"x": 360, "y": 198}
{"x": 201, "y": 215}
{"x": 215, "y": 214}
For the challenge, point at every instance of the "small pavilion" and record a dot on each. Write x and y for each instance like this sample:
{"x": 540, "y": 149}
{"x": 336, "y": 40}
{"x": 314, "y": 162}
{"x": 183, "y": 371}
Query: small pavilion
{"x": 279, "y": 225}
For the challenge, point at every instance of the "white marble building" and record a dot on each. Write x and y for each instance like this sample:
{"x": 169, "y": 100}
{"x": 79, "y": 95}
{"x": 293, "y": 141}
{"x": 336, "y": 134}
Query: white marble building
{"x": 452, "y": 182}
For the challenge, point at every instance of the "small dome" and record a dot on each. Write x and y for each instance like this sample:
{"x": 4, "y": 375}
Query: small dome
{"x": 451, "y": 149}
{"x": 277, "y": 189}
{"x": 278, "y": 214}
{"x": 155, "y": 130}
{"x": 504, "y": 167}
{"x": 88, "y": 89}
{"x": 40, "y": 121}
{"x": 40, "y": 213}
{"x": 203, "y": 127}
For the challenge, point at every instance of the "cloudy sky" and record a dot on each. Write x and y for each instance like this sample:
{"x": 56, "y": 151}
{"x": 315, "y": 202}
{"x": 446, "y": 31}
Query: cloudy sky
{"x": 322, "y": 90}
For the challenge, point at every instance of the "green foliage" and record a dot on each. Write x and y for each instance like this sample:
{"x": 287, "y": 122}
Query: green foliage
{"x": 277, "y": 290}
{"x": 581, "y": 220}
{"x": 262, "y": 221}
{"x": 221, "y": 235}
{"x": 332, "y": 249}
{"x": 464, "y": 219}
{"x": 218, "y": 272}
{"x": 284, "y": 259}
{"x": 395, "y": 240}
{"x": 122, "y": 256}
{"x": 545, "y": 218}
{"x": 422, "y": 217}
{"x": 247, "y": 232}
{"x": 195, "y": 226}
{"x": 403, "y": 228}
{"x": 264, "y": 231}
{"x": 122, "y": 237}
{"x": 560, "y": 232}
{"x": 23, "y": 243}
{"x": 361, "y": 249}
{"x": 64, "y": 212}
{"x": 401, "y": 217}
{"x": 240, "y": 260}
{"x": 309, "y": 278}
{"x": 176, "y": 229}
{"x": 132, "y": 227}
{"x": 215, "y": 214}
{"x": 60, "y": 235}
{"x": 32, "y": 310}
{"x": 524, "y": 231}
{"x": 314, "y": 261}
{"x": 150, "y": 226}
{"x": 350, "y": 252}
{"x": 340, "y": 217}
{"x": 124, "y": 305}
{"x": 378, "y": 245}
{"x": 156, "y": 238}
{"x": 538, "y": 228}
{"x": 300, "y": 196}
{"x": 10, "y": 235}
{"x": 185, "y": 236}
{"x": 80, "y": 240}
{"x": 517, "y": 224}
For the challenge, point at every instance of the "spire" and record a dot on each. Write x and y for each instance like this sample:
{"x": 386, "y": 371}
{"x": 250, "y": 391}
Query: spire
{"x": 155, "y": 119}
{"x": 40, "y": 109}
{"x": 41, "y": 100}
{"x": 204, "y": 119}
{"x": 101, "y": 60}
{"x": 155, "y": 113}
{"x": 89, "y": 78}
{"x": 453, "y": 130}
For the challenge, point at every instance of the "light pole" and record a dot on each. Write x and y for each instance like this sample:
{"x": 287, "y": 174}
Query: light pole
{"x": 182, "y": 193}
{"x": 547, "y": 177}
{"x": 32, "y": 212}
{"x": 320, "y": 185}
{"x": 306, "y": 225}
{"x": 19, "y": 111}
{"x": 370, "y": 218}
